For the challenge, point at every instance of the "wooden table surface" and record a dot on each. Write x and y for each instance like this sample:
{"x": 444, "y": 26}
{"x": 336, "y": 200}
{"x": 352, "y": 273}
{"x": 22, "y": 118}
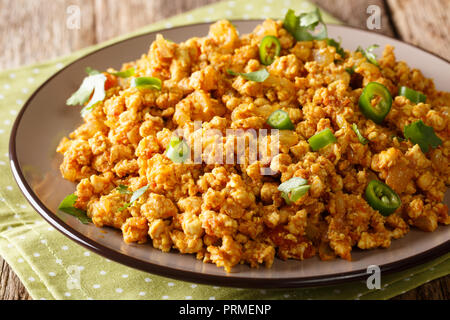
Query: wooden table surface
{"x": 36, "y": 30}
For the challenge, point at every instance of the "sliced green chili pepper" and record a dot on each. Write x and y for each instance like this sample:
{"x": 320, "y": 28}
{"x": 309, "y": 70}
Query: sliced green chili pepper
{"x": 269, "y": 48}
{"x": 382, "y": 198}
{"x": 124, "y": 74}
{"x": 293, "y": 189}
{"x": 145, "y": 83}
{"x": 378, "y": 112}
{"x": 280, "y": 120}
{"x": 178, "y": 150}
{"x": 359, "y": 135}
{"x": 419, "y": 133}
{"x": 321, "y": 139}
{"x": 291, "y": 21}
{"x": 412, "y": 95}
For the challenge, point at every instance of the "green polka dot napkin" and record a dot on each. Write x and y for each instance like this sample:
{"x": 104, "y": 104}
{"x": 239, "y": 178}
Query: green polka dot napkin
{"x": 53, "y": 267}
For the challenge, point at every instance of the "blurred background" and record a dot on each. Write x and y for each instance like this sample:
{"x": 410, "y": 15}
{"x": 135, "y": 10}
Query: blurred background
{"x": 37, "y": 30}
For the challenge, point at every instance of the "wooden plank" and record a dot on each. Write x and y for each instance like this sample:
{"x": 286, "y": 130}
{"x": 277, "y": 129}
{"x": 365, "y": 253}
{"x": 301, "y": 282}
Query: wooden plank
{"x": 10, "y": 286}
{"x": 423, "y": 23}
{"x": 438, "y": 289}
{"x": 354, "y": 13}
{"x": 113, "y": 18}
{"x": 37, "y": 30}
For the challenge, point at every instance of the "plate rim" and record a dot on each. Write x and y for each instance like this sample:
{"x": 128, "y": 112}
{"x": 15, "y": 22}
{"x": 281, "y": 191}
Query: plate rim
{"x": 186, "y": 275}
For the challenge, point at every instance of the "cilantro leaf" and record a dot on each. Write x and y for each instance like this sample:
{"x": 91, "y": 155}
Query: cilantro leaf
{"x": 369, "y": 54}
{"x": 121, "y": 74}
{"x": 67, "y": 206}
{"x": 303, "y": 27}
{"x": 92, "y": 72}
{"x": 351, "y": 70}
{"x": 94, "y": 83}
{"x": 123, "y": 189}
{"x": 337, "y": 45}
{"x": 257, "y": 76}
{"x": 136, "y": 195}
{"x": 419, "y": 133}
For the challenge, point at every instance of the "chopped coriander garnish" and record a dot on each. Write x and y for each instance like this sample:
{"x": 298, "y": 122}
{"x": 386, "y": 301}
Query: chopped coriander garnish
{"x": 359, "y": 135}
{"x": 67, "y": 206}
{"x": 256, "y": 76}
{"x": 369, "y": 54}
{"x": 92, "y": 84}
{"x": 121, "y": 74}
{"x": 419, "y": 133}
{"x": 400, "y": 139}
{"x": 123, "y": 189}
{"x": 92, "y": 72}
{"x": 146, "y": 83}
{"x": 337, "y": 45}
{"x": 302, "y": 27}
{"x": 136, "y": 195}
{"x": 351, "y": 70}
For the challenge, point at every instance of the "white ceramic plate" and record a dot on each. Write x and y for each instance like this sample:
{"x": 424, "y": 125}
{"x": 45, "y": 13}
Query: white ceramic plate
{"x": 45, "y": 119}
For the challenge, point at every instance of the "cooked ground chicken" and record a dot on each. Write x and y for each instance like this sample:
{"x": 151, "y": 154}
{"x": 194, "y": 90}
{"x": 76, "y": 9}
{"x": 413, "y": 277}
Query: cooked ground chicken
{"x": 231, "y": 214}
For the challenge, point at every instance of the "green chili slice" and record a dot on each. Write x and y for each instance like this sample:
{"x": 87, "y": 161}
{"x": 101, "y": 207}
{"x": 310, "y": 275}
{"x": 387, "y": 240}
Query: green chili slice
{"x": 321, "y": 139}
{"x": 280, "y": 120}
{"x": 291, "y": 21}
{"x": 359, "y": 135}
{"x": 412, "y": 95}
{"x": 178, "y": 150}
{"x": 377, "y": 113}
{"x": 293, "y": 189}
{"x": 419, "y": 133}
{"x": 382, "y": 198}
{"x": 146, "y": 83}
{"x": 269, "y": 48}
{"x": 124, "y": 74}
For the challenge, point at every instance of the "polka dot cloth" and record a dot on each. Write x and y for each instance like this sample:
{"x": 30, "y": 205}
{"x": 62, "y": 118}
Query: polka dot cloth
{"x": 53, "y": 267}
